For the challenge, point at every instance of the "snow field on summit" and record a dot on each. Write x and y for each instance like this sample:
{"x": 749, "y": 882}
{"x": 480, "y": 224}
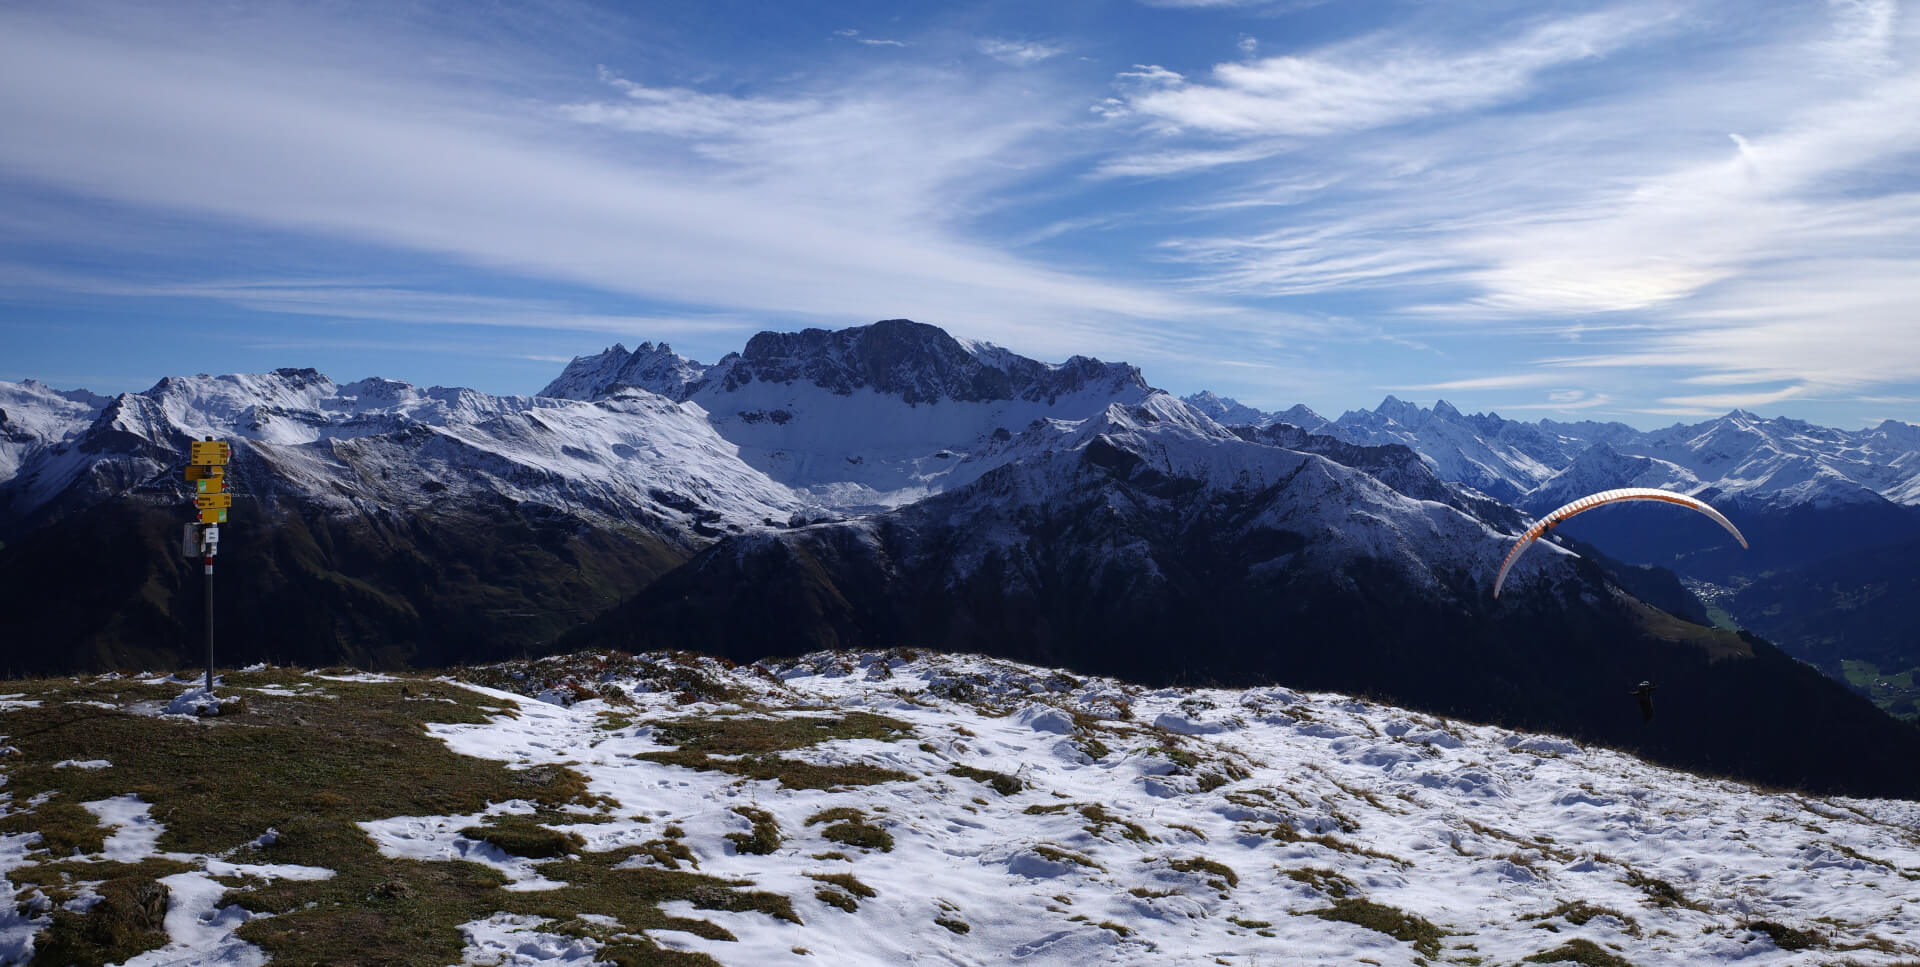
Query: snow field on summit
{"x": 900, "y": 807}
{"x": 1216, "y": 823}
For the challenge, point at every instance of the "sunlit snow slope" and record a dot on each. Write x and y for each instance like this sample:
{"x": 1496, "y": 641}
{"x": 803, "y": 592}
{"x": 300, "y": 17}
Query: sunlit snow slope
{"x": 1179, "y": 827}
{"x": 1002, "y": 813}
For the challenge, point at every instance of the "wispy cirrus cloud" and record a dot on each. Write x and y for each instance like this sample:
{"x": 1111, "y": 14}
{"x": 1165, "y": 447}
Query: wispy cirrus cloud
{"x": 1502, "y": 381}
{"x": 1736, "y": 219}
{"x": 799, "y": 205}
{"x": 1565, "y": 401}
{"x": 1366, "y": 84}
{"x": 1662, "y": 205}
{"x": 369, "y": 300}
{"x": 1019, "y": 53}
{"x": 681, "y": 112}
{"x": 854, "y": 35}
{"x": 1731, "y": 401}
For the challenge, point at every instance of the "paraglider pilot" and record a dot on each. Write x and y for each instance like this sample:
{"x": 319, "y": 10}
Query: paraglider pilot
{"x": 1645, "y": 694}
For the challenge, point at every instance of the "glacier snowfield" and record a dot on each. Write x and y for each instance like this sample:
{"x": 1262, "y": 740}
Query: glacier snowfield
{"x": 1032, "y": 816}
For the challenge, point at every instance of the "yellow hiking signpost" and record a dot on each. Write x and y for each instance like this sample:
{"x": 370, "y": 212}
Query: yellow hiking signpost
{"x": 207, "y": 473}
{"x": 209, "y": 452}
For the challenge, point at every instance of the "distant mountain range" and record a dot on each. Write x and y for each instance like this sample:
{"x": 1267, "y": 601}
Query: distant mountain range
{"x": 892, "y": 485}
{"x": 1778, "y": 462}
{"x": 1833, "y": 515}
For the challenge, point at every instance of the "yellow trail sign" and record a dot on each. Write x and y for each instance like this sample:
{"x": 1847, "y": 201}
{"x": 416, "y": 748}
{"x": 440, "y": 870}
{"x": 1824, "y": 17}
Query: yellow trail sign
{"x": 215, "y": 486}
{"x": 213, "y": 501}
{"x": 213, "y": 517}
{"x": 209, "y": 452}
{"x": 205, "y": 473}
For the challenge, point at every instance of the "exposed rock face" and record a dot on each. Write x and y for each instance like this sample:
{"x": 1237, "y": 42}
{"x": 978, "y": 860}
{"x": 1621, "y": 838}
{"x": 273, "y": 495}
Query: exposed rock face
{"x": 916, "y": 362}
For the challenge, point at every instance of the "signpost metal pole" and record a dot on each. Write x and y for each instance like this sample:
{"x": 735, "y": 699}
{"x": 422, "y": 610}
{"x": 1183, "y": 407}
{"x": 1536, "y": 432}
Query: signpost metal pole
{"x": 207, "y": 471}
{"x": 209, "y": 553}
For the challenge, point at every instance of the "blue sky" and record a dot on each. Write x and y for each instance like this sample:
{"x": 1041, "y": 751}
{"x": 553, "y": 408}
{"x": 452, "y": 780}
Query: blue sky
{"x": 1638, "y": 211}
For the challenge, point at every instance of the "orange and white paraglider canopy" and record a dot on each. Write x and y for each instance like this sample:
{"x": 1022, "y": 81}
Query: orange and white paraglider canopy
{"x": 1602, "y": 498}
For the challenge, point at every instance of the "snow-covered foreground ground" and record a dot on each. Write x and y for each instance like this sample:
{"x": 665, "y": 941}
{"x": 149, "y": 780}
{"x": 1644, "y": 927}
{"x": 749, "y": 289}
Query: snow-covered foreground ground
{"x": 1048, "y": 819}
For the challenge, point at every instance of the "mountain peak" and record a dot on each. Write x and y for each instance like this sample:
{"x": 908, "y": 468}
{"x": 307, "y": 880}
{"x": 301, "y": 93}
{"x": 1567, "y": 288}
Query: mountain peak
{"x": 657, "y": 369}
{"x": 1399, "y": 410}
{"x": 1226, "y": 410}
{"x": 917, "y": 362}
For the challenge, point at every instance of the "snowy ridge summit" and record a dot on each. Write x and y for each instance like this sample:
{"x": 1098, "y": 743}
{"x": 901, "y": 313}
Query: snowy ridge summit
{"x": 865, "y": 418}
{"x": 656, "y": 369}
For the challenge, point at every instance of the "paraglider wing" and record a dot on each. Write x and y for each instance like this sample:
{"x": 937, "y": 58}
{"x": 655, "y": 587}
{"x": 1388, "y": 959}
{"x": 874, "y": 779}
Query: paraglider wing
{"x": 1591, "y": 501}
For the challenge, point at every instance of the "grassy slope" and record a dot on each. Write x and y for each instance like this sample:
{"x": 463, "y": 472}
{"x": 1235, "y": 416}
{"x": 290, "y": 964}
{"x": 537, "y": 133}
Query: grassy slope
{"x": 310, "y": 766}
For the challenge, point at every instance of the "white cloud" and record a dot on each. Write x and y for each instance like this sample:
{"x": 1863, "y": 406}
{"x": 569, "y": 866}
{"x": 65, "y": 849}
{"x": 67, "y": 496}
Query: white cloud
{"x": 1733, "y": 401}
{"x": 1503, "y": 381}
{"x": 1567, "y": 401}
{"x": 1863, "y": 37}
{"x": 362, "y": 300}
{"x": 816, "y": 209}
{"x": 1179, "y": 162}
{"x": 683, "y": 113}
{"x": 1372, "y": 83}
{"x": 854, "y": 35}
{"x": 1628, "y": 219}
{"x": 1019, "y": 53}
{"x": 1663, "y": 238}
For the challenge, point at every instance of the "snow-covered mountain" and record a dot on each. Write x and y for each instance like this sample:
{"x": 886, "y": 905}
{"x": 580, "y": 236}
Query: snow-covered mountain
{"x": 876, "y": 486}
{"x": 885, "y": 808}
{"x": 656, "y": 369}
{"x": 373, "y": 521}
{"x": 1142, "y": 504}
{"x": 1148, "y": 542}
{"x": 1601, "y": 467}
{"x": 1802, "y": 492}
{"x": 383, "y": 446}
{"x": 34, "y": 416}
{"x": 1780, "y": 462}
{"x": 1502, "y": 458}
{"x": 870, "y": 417}
{"x": 1228, "y": 411}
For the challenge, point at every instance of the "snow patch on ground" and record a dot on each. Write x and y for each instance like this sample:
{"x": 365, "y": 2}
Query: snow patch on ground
{"x": 268, "y": 871}
{"x": 136, "y": 835}
{"x": 512, "y": 940}
{"x": 17, "y": 926}
{"x": 438, "y": 838}
{"x": 201, "y": 931}
{"x": 200, "y": 702}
